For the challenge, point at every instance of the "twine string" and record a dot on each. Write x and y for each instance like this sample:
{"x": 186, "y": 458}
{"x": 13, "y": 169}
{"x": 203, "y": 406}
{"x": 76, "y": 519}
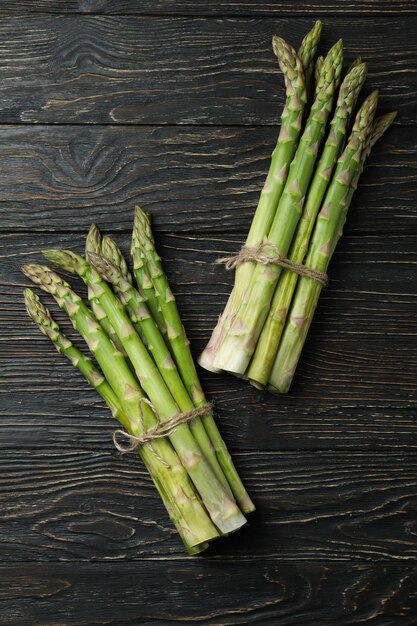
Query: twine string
{"x": 125, "y": 442}
{"x": 258, "y": 255}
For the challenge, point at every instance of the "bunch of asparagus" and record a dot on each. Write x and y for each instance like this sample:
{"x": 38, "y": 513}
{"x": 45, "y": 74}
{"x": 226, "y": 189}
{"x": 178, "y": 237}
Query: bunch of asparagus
{"x": 314, "y": 171}
{"x": 145, "y": 373}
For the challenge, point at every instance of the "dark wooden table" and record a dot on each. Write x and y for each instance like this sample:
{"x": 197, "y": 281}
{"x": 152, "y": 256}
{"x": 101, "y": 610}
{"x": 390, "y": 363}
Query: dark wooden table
{"x": 175, "y": 105}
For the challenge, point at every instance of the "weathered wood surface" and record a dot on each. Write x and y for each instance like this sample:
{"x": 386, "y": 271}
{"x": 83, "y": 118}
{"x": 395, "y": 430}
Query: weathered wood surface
{"x": 214, "y": 7}
{"x": 322, "y": 506}
{"x": 88, "y": 131}
{"x": 118, "y": 70}
{"x": 212, "y": 594}
{"x": 355, "y": 388}
{"x": 199, "y": 180}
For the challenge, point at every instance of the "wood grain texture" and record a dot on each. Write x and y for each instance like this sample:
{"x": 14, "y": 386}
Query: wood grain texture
{"x": 215, "y": 7}
{"x": 99, "y": 506}
{"x": 355, "y": 387}
{"x": 194, "y": 179}
{"x": 211, "y": 594}
{"x": 175, "y": 105}
{"x": 122, "y": 70}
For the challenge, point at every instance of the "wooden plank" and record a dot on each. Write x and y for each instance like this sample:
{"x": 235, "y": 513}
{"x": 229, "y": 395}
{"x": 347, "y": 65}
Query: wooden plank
{"x": 356, "y": 384}
{"x": 78, "y": 505}
{"x": 194, "y": 179}
{"x": 143, "y": 70}
{"x": 215, "y": 7}
{"x": 215, "y": 594}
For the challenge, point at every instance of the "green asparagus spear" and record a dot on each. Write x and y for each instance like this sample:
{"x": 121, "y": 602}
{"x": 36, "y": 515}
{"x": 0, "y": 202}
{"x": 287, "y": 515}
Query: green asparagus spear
{"x": 144, "y": 324}
{"x": 222, "y": 509}
{"x": 140, "y": 269}
{"x": 237, "y": 348}
{"x": 264, "y": 356}
{"x": 317, "y": 71}
{"x": 181, "y": 351}
{"x": 291, "y": 123}
{"x": 93, "y": 244}
{"x": 325, "y": 235}
{"x": 111, "y": 251}
{"x": 215, "y": 446}
{"x": 48, "y": 327}
{"x": 161, "y": 476}
{"x": 141, "y": 318}
{"x": 379, "y": 127}
{"x": 94, "y": 240}
{"x": 199, "y": 528}
{"x": 307, "y": 50}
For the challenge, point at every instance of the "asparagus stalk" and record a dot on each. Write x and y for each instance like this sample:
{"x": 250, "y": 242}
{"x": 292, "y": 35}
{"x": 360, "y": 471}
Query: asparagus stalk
{"x": 140, "y": 270}
{"x": 198, "y": 527}
{"x": 291, "y": 122}
{"x": 317, "y": 70}
{"x": 237, "y": 348}
{"x": 267, "y": 345}
{"x": 222, "y": 509}
{"x": 161, "y": 477}
{"x": 325, "y": 236}
{"x": 142, "y": 320}
{"x": 379, "y": 127}
{"x": 120, "y": 278}
{"x": 145, "y": 245}
{"x": 111, "y": 251}
{"x": 307, "y": 50}
{"x": 116, "y": 272}
{"x": 93, "y": 244}
{"x": 48, "y": 327}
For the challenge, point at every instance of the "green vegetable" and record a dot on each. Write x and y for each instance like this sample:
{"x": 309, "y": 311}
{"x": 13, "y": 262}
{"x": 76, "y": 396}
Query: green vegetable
{"x": 238, "y": 345}
{"x": 161, "y": 476}
{"x": 267, "y": 345}
{"x": 307, "y": 50}
{"x": 222, "y": 509}
{"x": 180, "y": 347}
{"x": 324, "y": 239}
{"x": 142, "y": 320}
{"x": 197, "y": 525}
{"x": 291, "y": 124}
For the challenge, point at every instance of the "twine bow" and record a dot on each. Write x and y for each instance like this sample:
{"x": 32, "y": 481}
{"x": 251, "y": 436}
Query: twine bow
{"x": 125, "y": 442}
{"x": 257, "y": 254}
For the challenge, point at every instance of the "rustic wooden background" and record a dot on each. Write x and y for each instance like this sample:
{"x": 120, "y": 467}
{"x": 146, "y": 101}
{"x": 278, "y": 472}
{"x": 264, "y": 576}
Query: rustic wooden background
{"x": 174, "y": 105}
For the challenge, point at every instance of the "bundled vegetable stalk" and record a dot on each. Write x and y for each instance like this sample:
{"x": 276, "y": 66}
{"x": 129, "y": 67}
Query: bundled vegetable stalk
{"x": 146, "y": 375}
{"x": 314, "y": 172}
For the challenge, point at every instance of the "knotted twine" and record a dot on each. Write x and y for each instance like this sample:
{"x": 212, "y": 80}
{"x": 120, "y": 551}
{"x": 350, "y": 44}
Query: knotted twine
{"x": 157, "y": 431}
{"x": 257, "y": 254}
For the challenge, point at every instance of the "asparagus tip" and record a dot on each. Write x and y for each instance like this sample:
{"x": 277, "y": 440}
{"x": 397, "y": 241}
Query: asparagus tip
{"x": 30, "y": 297}
{"x": 31, "y": 303}
{"x": 277, "y": 44}
{"x": 332, "y": 67}
{"x": 282, "y": 49}
{"x": 39, "y": 314}
{"x": 65, "y": 259}
{"x": 93, "y": 241}
{"x": 28, "y": 269}
{"x": 380, "y": 126}
{"x": 40, "y": 274}
{"x": 102, "y": 265}
{"x": 389, "y": 117}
